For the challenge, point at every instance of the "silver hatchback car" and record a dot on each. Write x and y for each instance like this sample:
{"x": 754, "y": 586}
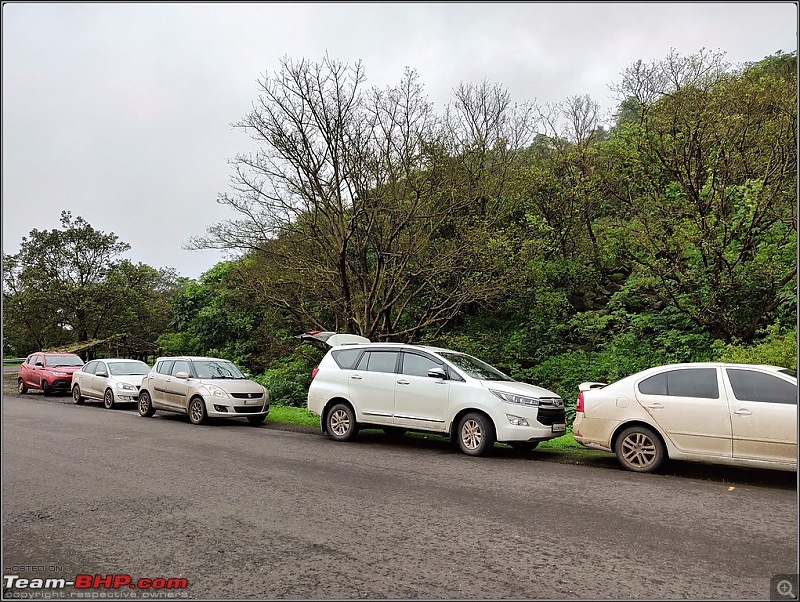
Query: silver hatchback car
{"x": 201, "y": 387}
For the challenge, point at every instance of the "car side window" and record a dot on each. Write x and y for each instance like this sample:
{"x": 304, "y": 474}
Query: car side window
{"x": 691, "y": 382}
{"x": 749, "y": 385}
{"x": 90, "y": 367}
{"x": 418, "y": 365}
{"x": 180, "y": 366}
{"x": 346, "y": 358}
{"x": 165, "y": 367}
{"x": 38, "y": 359}
{"x": 379, "y": 361}
{"x": 101, "y": 367}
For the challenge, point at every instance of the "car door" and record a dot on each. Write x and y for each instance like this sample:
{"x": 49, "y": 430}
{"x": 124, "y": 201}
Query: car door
{"x": 689, "y": 405}
{"x": 97, "y": 380}
{"x": 157, "y": 383}
{"x": 84, "y": 378}
{"x": 420, "y": 401}
{"x": 371, "y": 386}
{"x": 178, "y": 389}
{"x": 763, "y": 411}
{"x": 37, "y": 370}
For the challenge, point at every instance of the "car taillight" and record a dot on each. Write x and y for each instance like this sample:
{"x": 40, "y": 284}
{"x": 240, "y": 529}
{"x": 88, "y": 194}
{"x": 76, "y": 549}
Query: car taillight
{"x": 579, "y": 407}
{"x": 314, "y": 373}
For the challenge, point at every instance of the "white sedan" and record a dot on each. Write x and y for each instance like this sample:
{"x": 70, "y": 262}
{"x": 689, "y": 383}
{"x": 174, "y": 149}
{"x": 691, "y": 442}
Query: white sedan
{"x": 738, "y": 414}
{"x": 110, "y": 380}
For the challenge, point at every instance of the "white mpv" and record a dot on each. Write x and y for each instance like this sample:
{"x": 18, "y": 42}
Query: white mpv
{"x": 400, "y": 387}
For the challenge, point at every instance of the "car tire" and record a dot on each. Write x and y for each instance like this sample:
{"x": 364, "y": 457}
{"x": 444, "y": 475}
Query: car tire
{"x": 395, "y": 432}
{"x": 340, "y": 422}
{"x": 197, "y": 410}
{"x": 77, "y": 398}
{"x": 256, "y": 420}
{"x": 146, "y": 408}
{"x": 524, "y": 447}
{"x": 46, "y": 390}
{"x": 639, "y": 449}
{"x": 475, "y": 434}
{"x": 108, "y": 399}
{"x": 21, "y": 387}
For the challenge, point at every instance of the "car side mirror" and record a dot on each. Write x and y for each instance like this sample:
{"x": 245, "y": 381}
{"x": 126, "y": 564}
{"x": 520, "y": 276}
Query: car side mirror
{"x": 437, "y": 373}
{"x": 40, "y": 364}
{"x": 103, "y": 374}
{"x": 182, "y": 375}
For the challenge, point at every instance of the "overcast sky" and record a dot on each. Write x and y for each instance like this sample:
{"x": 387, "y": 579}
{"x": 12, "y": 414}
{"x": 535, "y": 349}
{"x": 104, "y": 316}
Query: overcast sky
{"x": 121, "y": 113}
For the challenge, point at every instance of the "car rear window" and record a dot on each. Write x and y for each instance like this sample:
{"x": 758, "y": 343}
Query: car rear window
{"x": 346, "y": 358}
{"x": 749, "y": 385}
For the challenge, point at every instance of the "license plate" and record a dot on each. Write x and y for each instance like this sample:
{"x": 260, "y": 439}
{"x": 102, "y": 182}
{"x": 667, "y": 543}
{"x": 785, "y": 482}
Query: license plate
{"x": 559, "y": 428}
{"x": 252, "y": 402}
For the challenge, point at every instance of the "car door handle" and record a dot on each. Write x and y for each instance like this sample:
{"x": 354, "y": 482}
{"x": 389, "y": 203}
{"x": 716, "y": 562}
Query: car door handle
{"x": 355, "y": 377}
{"x": 402, "y": 381}
{"x": 743, "y": 412}
{"x": 656, "y": 406}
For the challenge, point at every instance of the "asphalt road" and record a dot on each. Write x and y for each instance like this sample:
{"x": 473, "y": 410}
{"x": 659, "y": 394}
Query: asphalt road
{"x": 260, "y": 513}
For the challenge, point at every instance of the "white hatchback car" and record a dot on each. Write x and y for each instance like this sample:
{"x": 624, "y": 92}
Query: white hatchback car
{"x": 738, "y": 414}
{"x": 401, "y": 387}
{"x": 112, "y": 380}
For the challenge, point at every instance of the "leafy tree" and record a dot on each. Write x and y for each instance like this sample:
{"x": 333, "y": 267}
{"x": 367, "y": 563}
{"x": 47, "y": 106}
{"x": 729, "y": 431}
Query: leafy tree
{"x": 368, "y": 212}
{"x": 67, "y": 285}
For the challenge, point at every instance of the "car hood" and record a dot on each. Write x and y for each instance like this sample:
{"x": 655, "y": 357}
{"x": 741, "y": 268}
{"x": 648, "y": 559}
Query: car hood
{"x": 517, "y": 387}
{"x": 234, "y": 385}
{"x": 131, "y": 379}
{"x": 67, "y": 369}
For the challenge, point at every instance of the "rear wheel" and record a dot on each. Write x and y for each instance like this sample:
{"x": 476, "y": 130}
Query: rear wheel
{"x": 341, "y": 422}
{"x": 77, "y": 398}
{"x": 21, "y": 388}
{"x": 108, "y": 399}
{"x": 146, "y": 408}
{"x": 639, "y": 449}
{"x": 197, "y": 411}
{"x": 475, "y": 434}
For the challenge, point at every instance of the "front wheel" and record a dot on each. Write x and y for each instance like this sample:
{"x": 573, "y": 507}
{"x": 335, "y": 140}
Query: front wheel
{"x": 341, "y": 422}
{"x": 77, "y": 398}
{"x": 475, "y": 434}
{"x": 108, "y": 399}
{"x": 197, "y": 411}
{"x": 146, "y": 408}
{"x": 639, "y": 449}
{"x": 21, "y": 388}
{"x": 46, "y": 389}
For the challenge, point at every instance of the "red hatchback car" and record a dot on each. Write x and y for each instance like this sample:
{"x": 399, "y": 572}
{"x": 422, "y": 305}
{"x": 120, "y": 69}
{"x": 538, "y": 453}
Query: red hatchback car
{"x": 50, "y": 372}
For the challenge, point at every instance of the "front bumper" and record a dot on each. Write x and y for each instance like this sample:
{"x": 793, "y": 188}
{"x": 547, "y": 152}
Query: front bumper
{"x": 217, "y": 409}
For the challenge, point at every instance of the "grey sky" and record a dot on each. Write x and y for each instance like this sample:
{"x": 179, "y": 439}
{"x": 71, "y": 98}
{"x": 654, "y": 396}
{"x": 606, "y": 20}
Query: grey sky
{"x": 121, "y": 113}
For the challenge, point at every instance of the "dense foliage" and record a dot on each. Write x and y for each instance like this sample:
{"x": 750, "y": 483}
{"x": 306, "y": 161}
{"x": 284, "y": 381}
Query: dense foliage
{"x": 554, "y": 248}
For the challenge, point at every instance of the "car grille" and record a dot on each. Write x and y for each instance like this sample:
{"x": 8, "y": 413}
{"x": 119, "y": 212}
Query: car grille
{"x": 247, "y": 409}
{"x": 550, "y": 416}
{"x": 246, "y": 395}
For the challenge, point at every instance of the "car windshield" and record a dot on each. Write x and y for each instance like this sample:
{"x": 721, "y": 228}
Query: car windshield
{"x": 474, "y": 367}
{"x": 216, "y": 369}
{"x": 54, "y": 361}
{"x": 128, "y": 368}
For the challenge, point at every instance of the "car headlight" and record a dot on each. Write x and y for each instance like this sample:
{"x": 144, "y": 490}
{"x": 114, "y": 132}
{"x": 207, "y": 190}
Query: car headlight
{"x": 126, "y": 387}
{"x": 518, "y": 399}
{"x": 215, "y": 391}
